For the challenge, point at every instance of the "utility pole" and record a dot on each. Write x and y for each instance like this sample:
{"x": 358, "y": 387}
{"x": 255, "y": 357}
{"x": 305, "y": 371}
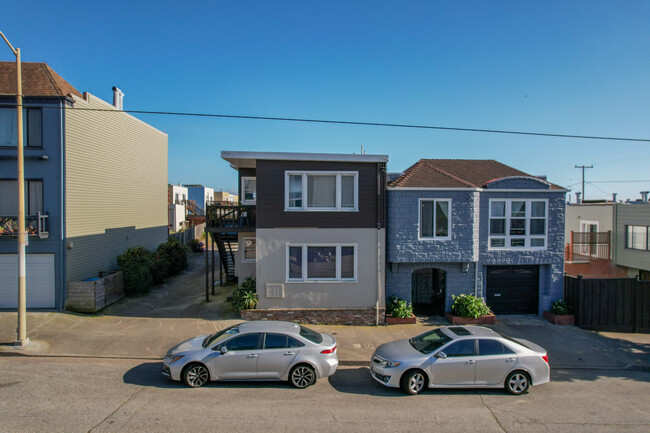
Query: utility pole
{"x": 21, "y": 329}
{"x": 583, "y": 167}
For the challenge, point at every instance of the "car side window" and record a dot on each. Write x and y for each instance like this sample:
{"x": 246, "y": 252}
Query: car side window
{"x": 292, "y": 343}
{"x": 460, "y": 348}
{"x": 244, "y": 342}
{"x": 492, "y": 347}
{"x": 275, "y": 341}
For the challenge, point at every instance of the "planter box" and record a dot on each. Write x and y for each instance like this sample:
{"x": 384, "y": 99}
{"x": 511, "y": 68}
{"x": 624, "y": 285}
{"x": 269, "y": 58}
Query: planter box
{"x": 390, "y": 320}
{"x": 91, "y": 296}
{"x": 490, "y": 319}
{"x": 559, "y": 319}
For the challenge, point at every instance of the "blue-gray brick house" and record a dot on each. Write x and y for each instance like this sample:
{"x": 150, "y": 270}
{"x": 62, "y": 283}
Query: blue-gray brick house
{"x": 474, "y": 227}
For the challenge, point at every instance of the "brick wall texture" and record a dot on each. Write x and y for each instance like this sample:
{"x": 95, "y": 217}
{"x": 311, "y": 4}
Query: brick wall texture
{"x": 319, "y": 316}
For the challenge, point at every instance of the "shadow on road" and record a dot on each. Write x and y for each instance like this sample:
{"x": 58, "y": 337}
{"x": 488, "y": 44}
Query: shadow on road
{"x": 569, "y": 375}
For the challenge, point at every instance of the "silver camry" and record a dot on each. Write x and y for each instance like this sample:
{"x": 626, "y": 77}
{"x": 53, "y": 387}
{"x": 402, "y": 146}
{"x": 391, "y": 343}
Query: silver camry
{"x": 262, "y": 350}
{"x": 460, "y": 357}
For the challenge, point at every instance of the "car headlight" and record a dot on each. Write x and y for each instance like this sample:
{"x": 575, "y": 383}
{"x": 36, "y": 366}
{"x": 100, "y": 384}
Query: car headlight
{"x": 390, "y": 364}
{"x": 175, "y": 358}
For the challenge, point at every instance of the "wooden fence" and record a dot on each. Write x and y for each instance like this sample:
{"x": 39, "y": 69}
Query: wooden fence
{"x": 186, "y": 236}
{"x": 617, "y": 304}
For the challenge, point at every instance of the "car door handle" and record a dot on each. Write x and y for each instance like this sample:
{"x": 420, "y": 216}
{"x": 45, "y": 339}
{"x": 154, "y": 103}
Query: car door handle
{"x": 511, "y": 359}
{"x": 289, "y": 353}
{"x": 252, "y": 355}
{"x": 471, "y": 362}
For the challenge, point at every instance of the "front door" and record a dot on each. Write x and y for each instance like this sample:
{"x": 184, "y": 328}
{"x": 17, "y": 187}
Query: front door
{"x": 459, "y": 368}
{"x": 240, "y": 360}
{"x": 428, "y": 292}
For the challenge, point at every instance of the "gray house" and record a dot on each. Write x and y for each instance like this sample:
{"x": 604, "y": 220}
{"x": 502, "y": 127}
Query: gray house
{"x": 474, "y": 227}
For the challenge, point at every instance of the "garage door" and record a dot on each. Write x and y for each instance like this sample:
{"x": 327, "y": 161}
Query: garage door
{"x": 512, "y": 289}
{"x": 40, "y": 281}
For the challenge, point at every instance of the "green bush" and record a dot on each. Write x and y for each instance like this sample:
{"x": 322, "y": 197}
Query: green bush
{"x": 136, "y": 263}
{"x": 244, "y": 297}
{"x": 560, "y": 308}
{"x": 159, "y": 268}
{"x": 469, "y": 306}
{"x": 175, "y": 254}
{"x": 398, "y": 308}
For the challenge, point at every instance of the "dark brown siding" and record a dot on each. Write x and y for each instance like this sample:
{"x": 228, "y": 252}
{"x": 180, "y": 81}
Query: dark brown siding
{"x": 270, "y": 196}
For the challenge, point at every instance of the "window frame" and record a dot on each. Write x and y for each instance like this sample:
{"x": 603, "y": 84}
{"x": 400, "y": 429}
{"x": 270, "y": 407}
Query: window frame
{"x": 243, "y": 250}
{"x": 305, "y": 264}
{"x": 243, "y": 189}
{"x": 27, "y": 196}
{"x": 26, "y": 123}
{"x": 434, "y": 237}
{"x": 528, "y": 237}
{"x": 627, "y": 237}
{"x": 305, "y": 198}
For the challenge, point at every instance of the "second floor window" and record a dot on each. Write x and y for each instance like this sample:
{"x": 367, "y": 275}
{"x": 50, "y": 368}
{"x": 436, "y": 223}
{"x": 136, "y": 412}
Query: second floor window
{"x": 249, "y": 190}
{"x": 637, "y": 238}
{"x": 516, "y": 223}
{"x": 435, "y": 219}
{"x": 32, "y": 127}
{"x": 321, "y": 191}
{"x": 9, "y": 197}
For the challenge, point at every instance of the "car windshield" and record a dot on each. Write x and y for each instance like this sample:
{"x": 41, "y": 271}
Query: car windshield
{"x": 429, "y": 341}
{"x": 218, "y": 337}
{"x": 310, "y": 335}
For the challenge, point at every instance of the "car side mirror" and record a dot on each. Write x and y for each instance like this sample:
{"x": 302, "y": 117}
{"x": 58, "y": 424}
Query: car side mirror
{"x": 441, "y": 355}
{"x": 223, "y": 350}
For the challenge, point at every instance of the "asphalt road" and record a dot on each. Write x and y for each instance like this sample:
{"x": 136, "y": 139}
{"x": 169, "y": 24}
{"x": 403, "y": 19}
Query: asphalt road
{"x": 82, "y": 395}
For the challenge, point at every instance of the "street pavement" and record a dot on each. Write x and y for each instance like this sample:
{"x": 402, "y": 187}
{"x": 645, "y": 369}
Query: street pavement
{"x": 104, "y": 395}
{"x": 146, "y": 327}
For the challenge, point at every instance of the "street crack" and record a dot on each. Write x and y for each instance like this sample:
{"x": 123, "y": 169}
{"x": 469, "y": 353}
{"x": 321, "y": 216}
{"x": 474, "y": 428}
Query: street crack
{"x": 115, "y": 411}
{"x": 492, "y": 413}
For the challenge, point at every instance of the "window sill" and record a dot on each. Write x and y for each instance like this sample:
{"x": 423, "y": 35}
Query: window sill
{"x": 249, "y": 261}
{"x": 320, "y": 281}
{"x": 325, "y": 209}
{"x": 434, "y": 239}
{"x": 248, "y": 202}
{"x": 517, "y": 249}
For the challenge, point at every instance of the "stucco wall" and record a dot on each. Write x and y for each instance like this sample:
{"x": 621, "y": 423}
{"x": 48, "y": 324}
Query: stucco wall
{"x": 575, "y": 213}
{"x": 271, "y": 268}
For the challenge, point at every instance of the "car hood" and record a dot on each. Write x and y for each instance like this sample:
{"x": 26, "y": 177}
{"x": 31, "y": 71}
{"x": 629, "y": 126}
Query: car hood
{"x": 397, "y": 351}
{"x": 187, "y": 346}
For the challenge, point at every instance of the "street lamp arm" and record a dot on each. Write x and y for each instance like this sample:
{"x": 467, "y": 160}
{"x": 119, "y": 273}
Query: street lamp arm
{"x": 14, "y": 50}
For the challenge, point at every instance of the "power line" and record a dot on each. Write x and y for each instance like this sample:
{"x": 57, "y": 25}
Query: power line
{"x": 345, "y": 122}
{"x": 618, "y": 181}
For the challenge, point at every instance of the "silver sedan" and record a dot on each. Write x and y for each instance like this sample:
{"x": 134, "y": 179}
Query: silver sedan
{"x": 262, "y": 350}
{"x": 460, "y": 357}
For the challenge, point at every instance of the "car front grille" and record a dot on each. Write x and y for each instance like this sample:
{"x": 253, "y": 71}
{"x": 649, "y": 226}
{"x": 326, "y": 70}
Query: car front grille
{"x": 166, "y": 371}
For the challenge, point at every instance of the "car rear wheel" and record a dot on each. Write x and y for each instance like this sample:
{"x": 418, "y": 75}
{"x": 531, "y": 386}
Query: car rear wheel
{"x": 195, "y": 375}
{"x": 413, "y": 382}
{"x": 302, "y": 376}
{"x": 517, "y": 382}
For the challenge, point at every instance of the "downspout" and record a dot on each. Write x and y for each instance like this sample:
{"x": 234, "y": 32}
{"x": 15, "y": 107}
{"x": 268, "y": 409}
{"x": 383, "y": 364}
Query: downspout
{"x": 379, "y": 269}
{"x": 476, "y": 279}
{"x": 62, "y": 246}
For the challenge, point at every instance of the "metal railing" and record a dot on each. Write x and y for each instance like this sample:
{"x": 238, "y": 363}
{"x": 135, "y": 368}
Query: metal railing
{"x": 585, "y": 246}
{"x": 226, "y": 216}
{"x": 35, "y": 225}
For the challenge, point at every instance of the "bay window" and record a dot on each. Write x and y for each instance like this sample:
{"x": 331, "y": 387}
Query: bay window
{"x": 321, "y": 191}
{"x": 518, "y": 223}
{"x": 435, "y": 219}
{"x": 319, "y": 262}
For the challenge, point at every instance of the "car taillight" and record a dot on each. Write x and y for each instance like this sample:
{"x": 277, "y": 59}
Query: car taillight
{"x": 545, "y": 357}
{"x": 328, "y": 351}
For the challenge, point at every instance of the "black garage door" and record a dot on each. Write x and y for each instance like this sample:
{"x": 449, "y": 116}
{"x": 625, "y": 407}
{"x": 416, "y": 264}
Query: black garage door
{"x": 512, "y": 289}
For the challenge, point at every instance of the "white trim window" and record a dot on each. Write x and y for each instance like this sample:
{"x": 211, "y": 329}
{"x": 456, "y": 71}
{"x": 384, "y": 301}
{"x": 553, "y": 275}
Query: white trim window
{"x": 321, "y": 262}
{"x": 249, "y": 250}
{"x": 518, "y": 223}
{"x": 321, "y": 191}
{"x": 637, "y": 237}
{"x": 248, "y": 190}
{"x": 434, "y": 219}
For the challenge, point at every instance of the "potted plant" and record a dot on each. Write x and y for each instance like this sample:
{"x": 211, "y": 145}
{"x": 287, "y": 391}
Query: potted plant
{"x": 398, "y": 312}
{"x": 560, "y": 314}
{"x": 470, "y": 310}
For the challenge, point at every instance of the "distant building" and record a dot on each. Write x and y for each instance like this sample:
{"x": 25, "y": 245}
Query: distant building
{"x": 201, "y": 195}
{"x": 177, "y": 200}
{"x": 225, "y": 197}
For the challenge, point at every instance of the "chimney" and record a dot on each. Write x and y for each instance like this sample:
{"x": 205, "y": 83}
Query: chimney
{"x": 644, "y": 196}
{"x": 118, "y": 98}
{"x": 578, "y": 198}
{"x": 614, "y": 197}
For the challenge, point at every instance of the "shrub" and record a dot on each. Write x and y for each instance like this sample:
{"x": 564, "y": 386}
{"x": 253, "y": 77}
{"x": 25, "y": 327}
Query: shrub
{"x": 469, "y": 306}
{"x": 175, "y": 254}
{"x": 196, "y": 246}
{"x": 136, "y": 263}
{"x": 244, "y": 296}
{"x": 159, "y": 268}
{"x": 560, "y": 308}
{"x": 398, "y": 308}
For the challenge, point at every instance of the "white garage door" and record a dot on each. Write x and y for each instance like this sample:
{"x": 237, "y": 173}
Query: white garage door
{"x": 40, "y": 281}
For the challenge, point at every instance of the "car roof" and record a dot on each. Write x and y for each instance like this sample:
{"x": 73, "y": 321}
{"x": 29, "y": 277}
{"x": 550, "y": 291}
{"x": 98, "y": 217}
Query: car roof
{"x": 269, "y": 326}
{"x": 461, "y": 332}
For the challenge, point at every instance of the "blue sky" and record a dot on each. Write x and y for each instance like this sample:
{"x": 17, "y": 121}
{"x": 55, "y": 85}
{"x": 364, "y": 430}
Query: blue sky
{"x": 578, "y": 67}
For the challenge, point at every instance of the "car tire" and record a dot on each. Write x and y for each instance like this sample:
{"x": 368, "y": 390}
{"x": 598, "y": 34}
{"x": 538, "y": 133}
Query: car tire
{"x": 517, "y": 382}
{"x": 196, "y": 375}
{"x": 302, "y": 376}
{"x": 413, "y": 382}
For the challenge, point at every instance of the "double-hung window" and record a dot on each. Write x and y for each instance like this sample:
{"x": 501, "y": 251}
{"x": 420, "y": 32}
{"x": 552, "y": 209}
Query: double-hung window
{"x": 9, "y": 197}
{"x": 637, "y": 237}
{"x": 250, "y": 249}
{"x": 32, "y": 127}
{"x": 249, "y": 190}
{"x": 435, "y": 219}
{"x": 518, "y": 223}
{"x": 319, "y": 262}
{"x": 321, "y": 191}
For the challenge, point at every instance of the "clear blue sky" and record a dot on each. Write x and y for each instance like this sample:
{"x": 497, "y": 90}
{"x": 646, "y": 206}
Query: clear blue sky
{"x": 577, "y": 67}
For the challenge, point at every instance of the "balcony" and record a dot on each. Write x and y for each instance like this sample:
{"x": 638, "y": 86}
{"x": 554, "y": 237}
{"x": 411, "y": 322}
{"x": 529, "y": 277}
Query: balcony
{"x": 587, "y": 246}
{"x": 230, "y": 218}
{"x": 35, "y": 225}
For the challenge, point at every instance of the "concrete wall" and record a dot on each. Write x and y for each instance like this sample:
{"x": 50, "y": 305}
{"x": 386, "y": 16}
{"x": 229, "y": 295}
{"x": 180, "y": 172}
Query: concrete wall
{"x": 575, "y": 213}
{"x": 176, "y": 216}
{"x": 116, "y": 186}
{"x": 243, "y": 269}
{"x": 272, "y": 260}
{"x": 177, "y": 189}
{"x": 631, "y": 214}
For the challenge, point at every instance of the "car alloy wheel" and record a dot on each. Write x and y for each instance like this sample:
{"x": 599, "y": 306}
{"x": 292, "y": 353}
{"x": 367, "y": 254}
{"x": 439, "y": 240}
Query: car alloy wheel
{"x": 517, "y": 383}
{"x": 302, "y": 376}
{"x": 413, "y": 382}
{"x": 196, "y": 375}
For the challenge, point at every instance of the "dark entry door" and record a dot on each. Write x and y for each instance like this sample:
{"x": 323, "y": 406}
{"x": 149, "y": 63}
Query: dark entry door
{"x": 428, "y": 291}
{"x": 512, "y": 289}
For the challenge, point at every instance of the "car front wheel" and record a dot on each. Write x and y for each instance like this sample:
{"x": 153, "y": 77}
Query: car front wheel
{"x": 517, "y": 382}
{"x": 413, "y": 382}
{"x": 302, "y": 376}
{"x": 195, "y": 375}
